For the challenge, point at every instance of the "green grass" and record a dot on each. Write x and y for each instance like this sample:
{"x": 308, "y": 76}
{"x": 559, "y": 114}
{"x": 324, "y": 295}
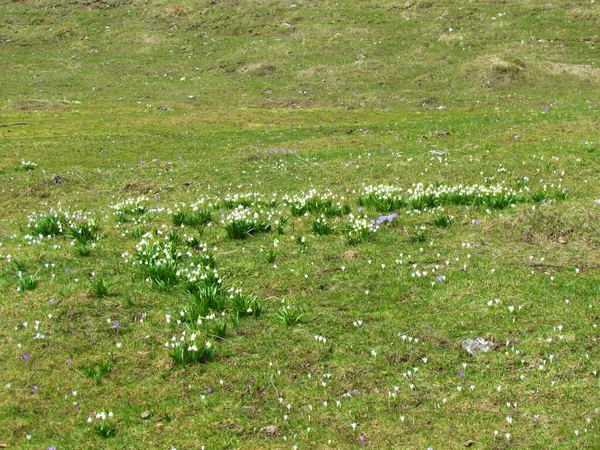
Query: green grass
{"x": 303, "y": 210}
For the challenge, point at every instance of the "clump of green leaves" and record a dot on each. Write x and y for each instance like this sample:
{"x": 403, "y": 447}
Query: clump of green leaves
{"x": 82, "y": 229}
{"x": 271, "y": 255}
{"x": 131, "y": 210}
{"x": 324, "y": 204}
{"x": 104, "y": 424}
{"x": 442, "y": 220}
{"x": 561, "y": 194}
{"x": 245, "y": 305}
{"x": 137, "y": 233}
{"x": 20, "y": 266}
{"x": 83, "y": 250}
{"x": 27, "y": 166}
{"x": 589, "y": 147}
{"x": 241, "y": 223}
{"x": 219, "y": 327}
{"x": 99, "y": 371}
{"x": 418, "y": 235}
{"x": 194, "y": 242}
{"x": 359, "y": 229}
{"x": 499, "y": 201}
{"x": 188, "y": 349}
{"x": 47, "y": 224}
{"x": 159, "y": 260}
{"x": 27, "y": 282}
{"x": 301, "y": 241}
{"x": 210, "y": 297}
{"x": 328, "y": 208}
{"x": 539, "y": 196}
{"x": 281, "y": 224}
{"x": 321, "y": 227}
{"x": 100, "y": 287}
{"x": 191, "y": 217}
{"x": 423, "y": 202}
{"x": 290, "y": 315}
{"x": 383, "y": 199}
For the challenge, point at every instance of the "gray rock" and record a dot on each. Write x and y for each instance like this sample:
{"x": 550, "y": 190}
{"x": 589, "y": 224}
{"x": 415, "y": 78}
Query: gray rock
{"x": 271, "y": 430}
{"x": 352, "y": 393}
{"x": 477, "y": 345}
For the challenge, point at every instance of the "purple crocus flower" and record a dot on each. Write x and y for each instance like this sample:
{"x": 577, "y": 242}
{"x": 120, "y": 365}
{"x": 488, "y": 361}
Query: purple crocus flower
{"x": 35, "y": 388}
{"x": 25, "y": 357}
{"x": 386, "y": 218}
{"x": 461, "y": 373}
{"x": 441, "y": 278}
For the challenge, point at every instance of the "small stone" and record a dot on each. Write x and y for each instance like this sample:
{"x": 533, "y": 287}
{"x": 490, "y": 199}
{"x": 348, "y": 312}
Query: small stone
{"x": 468, "y": 443}
{"x": 353, "y": 393}
{"x": 271, "y": 430}
{"x": 250, "y": 411}
{"x": 145, "y": 415}
{"x": 349, "y": 255}
{"x": 562, "y": 240}
{"x": 477, "y": 345}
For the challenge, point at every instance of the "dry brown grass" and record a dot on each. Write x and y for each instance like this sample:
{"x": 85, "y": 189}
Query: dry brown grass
{"x": 579, "y": 71}
{"x": 490, "y": 70}
{"x": 259, "y": 69}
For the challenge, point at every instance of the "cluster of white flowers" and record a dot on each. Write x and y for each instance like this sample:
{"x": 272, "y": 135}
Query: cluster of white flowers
{"x": 131, "y": 205}
{"x": 196, "y": 272}
{"x": 321, "y": 339}
{"x": 28, "y": 165}
{"x": 130, "y": 208}
{"x": 202, "y": 204}
{"x": 361, "y": 225}
{"x": 297, "y": 202}
{"x": 79, "y": 217}
{"x": 392, "y": 196}
{"x": 383, "y": 192}
{"x": 155, "y": 250}
{"x": 243, "y": 214}
{"x": 191, "y": 241}
{"x": 321, "y": 220}
{"x": 45, "y": 225}
{"x": 305, "y": 202}
{"x": 233, "y": 291}
{"x": 102, "y": 415}
{"x": 246, "y": 199}
{"x": 467, "y": 191}
{"x": 83, "y": 226}
{"x": 189, "y": 341}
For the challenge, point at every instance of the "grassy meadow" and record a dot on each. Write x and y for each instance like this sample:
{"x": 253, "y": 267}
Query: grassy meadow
{"x": 276, "y": 224}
